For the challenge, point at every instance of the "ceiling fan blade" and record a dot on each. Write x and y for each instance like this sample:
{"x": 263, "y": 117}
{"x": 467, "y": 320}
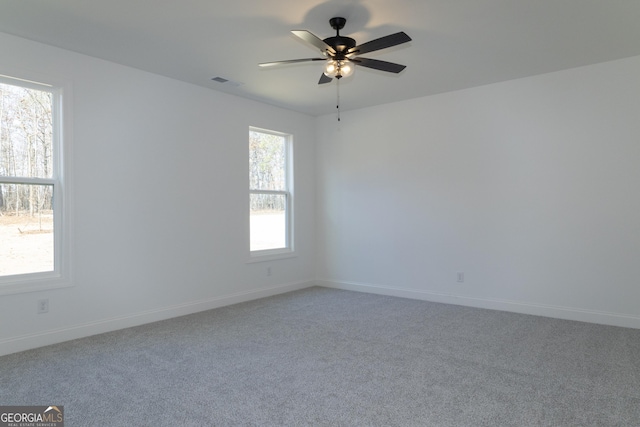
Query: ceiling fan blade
{"x": 314, "y": 40}
{"x": 290, "y": 61}
{"x": 381, "y": 43}
{"x": 324, "y": 79}
{"x": 390, "y": 67}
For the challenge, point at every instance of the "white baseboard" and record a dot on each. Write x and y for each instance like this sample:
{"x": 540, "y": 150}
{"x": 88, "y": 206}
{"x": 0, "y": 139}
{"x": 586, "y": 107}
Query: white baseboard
{"x": 27, "y": 342}
{"x": 558, "y": 312}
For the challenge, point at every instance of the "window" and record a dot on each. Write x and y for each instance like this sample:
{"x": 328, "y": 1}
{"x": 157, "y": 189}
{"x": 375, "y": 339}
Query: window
{"x": 31, "y": 186}
{"x": 270, "y": 195}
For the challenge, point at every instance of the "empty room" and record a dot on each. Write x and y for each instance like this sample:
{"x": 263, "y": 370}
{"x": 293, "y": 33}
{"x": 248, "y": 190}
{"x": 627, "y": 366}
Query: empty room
{"x": 349, "y": 213}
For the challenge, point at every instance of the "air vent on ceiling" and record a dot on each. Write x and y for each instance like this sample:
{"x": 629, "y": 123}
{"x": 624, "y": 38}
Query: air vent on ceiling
{"x": 227, "y": 82}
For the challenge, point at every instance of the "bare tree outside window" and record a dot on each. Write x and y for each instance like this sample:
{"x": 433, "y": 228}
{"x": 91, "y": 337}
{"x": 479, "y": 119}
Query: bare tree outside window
{"x": 269, "y": 192}
{"x": 26, "y": 184}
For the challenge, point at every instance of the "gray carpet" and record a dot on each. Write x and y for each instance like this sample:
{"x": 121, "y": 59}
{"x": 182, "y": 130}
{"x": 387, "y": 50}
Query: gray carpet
{"x": 335, "y": 358}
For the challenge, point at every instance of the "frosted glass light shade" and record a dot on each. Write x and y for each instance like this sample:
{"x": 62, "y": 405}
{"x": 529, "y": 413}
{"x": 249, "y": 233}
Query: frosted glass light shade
{"x": 338, "y": 68}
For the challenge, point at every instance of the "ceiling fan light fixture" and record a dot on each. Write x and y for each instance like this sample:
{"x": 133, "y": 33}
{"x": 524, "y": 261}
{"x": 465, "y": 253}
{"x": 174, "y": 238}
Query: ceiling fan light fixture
{"x": 330, "y": 68}
{"x": 338, "y": 68}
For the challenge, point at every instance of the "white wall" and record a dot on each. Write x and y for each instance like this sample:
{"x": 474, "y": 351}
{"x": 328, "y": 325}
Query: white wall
{"x": 529, "y": 187}
{"x": 160, "y": 197}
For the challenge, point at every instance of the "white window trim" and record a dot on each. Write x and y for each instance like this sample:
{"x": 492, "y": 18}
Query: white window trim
{"x": 61, "y": 276}
{"x": 289, "y": 251}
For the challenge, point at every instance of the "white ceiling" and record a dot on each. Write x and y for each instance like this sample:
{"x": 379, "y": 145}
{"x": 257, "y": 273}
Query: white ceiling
{"x": 456, "y": 43}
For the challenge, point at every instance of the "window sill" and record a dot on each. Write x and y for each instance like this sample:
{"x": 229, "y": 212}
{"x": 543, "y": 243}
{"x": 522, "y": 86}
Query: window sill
{"x": 265, "y": 256}
{"x": 33, "y": 282}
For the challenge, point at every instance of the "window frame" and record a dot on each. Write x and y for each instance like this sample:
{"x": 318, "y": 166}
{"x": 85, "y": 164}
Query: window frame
{"x": 60, "y": 277}
{"x": 289, "y": 249}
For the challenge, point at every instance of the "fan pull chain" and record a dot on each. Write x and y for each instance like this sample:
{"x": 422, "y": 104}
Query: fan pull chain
{"x": 338, "y": 97}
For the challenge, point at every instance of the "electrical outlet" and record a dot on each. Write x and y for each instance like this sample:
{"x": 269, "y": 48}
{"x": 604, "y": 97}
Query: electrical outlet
{"x": 43, "y": 306}
{"x": 460, "y": 277}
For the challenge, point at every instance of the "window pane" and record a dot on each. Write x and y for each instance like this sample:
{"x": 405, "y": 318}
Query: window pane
{"x": 267, "y": 161}
{"x": 26, "y": 132}
{"x": 26, "y": 229}
{"x": 268, "y": 221}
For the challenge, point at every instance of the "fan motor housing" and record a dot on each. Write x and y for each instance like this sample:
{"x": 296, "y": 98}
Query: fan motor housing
{"x": 340, "y": 43}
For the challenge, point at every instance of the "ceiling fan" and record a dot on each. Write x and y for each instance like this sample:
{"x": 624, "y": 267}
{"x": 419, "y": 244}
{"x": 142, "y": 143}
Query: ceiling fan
{"x": 341, "y": 53}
